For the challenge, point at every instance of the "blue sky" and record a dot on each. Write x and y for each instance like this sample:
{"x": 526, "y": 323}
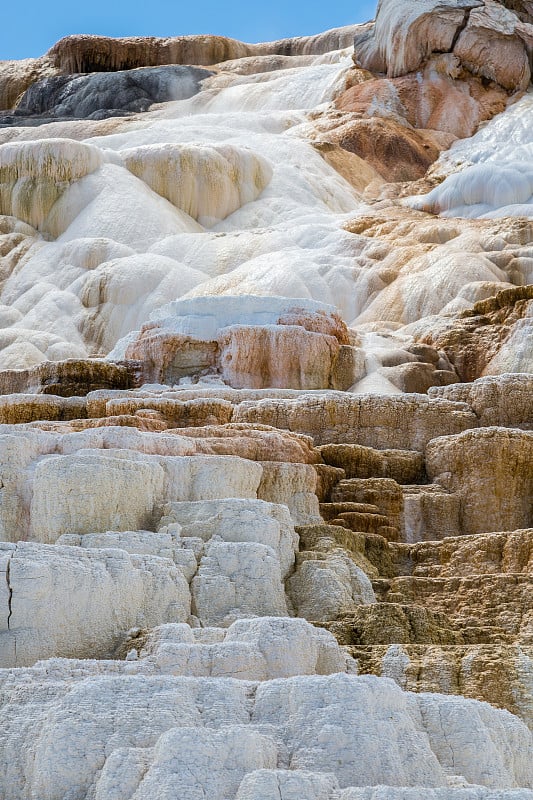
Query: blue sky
{"x": 29, "y": 28}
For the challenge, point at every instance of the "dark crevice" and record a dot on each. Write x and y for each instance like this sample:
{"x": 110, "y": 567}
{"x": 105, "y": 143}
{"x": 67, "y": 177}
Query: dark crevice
{"x": 461, "y": 28}
{"x": 9, "y": 592}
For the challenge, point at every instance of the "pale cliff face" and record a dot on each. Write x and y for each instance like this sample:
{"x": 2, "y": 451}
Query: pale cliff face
{"x": 266, "y": 369}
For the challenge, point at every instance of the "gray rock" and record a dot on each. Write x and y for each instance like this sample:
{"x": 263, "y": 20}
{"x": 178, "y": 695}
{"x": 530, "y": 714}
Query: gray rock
{"x": 104, "y": 94}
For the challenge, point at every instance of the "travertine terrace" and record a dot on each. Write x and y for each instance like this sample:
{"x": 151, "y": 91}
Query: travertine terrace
{"x": 266, "y": 413}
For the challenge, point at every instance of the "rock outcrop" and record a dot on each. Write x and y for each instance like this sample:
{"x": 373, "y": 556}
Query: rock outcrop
{"x": 393, "y": 422}
{"x": 496, "y": 400}
{"x": 114, "y": 592}
{"x": 485, "y": 38}
{"x": 103, "y": 94}
{"x": 249, "y": 737}
{"x": 496, "y": 459}
{"x": 278, "y": 343}
{"x": 493, "y": 337}
{"x": 441, "y": 97}
{"x": 72, "y": 378}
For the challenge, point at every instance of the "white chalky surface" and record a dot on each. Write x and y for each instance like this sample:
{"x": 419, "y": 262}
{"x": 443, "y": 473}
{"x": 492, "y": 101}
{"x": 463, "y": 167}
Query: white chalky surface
{"x": 105, "y": 482}
{"x": 71, "y": 737}
{"x": 65, "y": 601}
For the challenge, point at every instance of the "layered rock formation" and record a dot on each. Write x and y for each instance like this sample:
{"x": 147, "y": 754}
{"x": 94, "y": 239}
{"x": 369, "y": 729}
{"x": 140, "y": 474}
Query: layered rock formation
{"x": 266, "y": 416}
{"x": 192, "y": 574}
{"x": 484, "y": 36}
{"x": 100, "y": 95}
{"x": 275, "y": 343}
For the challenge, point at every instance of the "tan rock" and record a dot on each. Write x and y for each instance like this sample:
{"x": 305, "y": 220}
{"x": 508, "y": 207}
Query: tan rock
{"x": 270, "y": 343}
{"x": 394, "y": 151}
{"x": 178, "y": 413}
{"x": 367, "y": 522}
{"x": 286, "y": 356}
{"x": 329, "y": 511}
{"x": 292, "y": 485}
{"x": 489, "y": 608}
{"x": 16, "y": 238}
{"x": 256, "y": 443}
{"x": 460, "y": 556}
{"x": 522, "y": 9}
{"x": 83, "y": 53}
{"x": 440, "y": 101}
{"x": 357, "y": 171}
{"x": 403, "y": 36}
{"x": 254, "y": 65}
{"x": 493, "y": 44}
{"x": 324, "y": 538}
{"x": 389, "y": 623}
{"x": 17, "y": 76}
{"x": 68, "y": 378}
{"x": 417, "y": 377}
{"x": 327, "y": 479}
{"x": 97, "y": 401}
{"x": 234, "y": 176}
{"x": 497, "y": 674}
{"x": 414, "y": 513}
{"x": 317, "y": 321}
{"x": 430, "y": 512}
{"x": 487, "y": 38}
{"x": 18, "y": 408}
{"x": 410, "y": 513}
{"x": 396, "y": 422}
{"x": 79, "y": 54}
{"x": 491, "y": 469}
{"x": 384, "y": 493}
{"x": 142, "y": 422}
{"x": 482, "y": 554}
{"x": 494, "y": 336}
{"x": 496, "y": 400}
{"x": 166, "y": 357}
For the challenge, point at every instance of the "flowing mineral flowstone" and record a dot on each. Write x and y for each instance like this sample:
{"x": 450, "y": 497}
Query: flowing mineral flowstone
{"x": 266, "y": 414}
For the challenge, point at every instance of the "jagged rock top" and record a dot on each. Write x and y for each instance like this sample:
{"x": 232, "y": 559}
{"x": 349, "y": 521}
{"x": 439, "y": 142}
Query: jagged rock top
{"x": 482, "y": 36}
